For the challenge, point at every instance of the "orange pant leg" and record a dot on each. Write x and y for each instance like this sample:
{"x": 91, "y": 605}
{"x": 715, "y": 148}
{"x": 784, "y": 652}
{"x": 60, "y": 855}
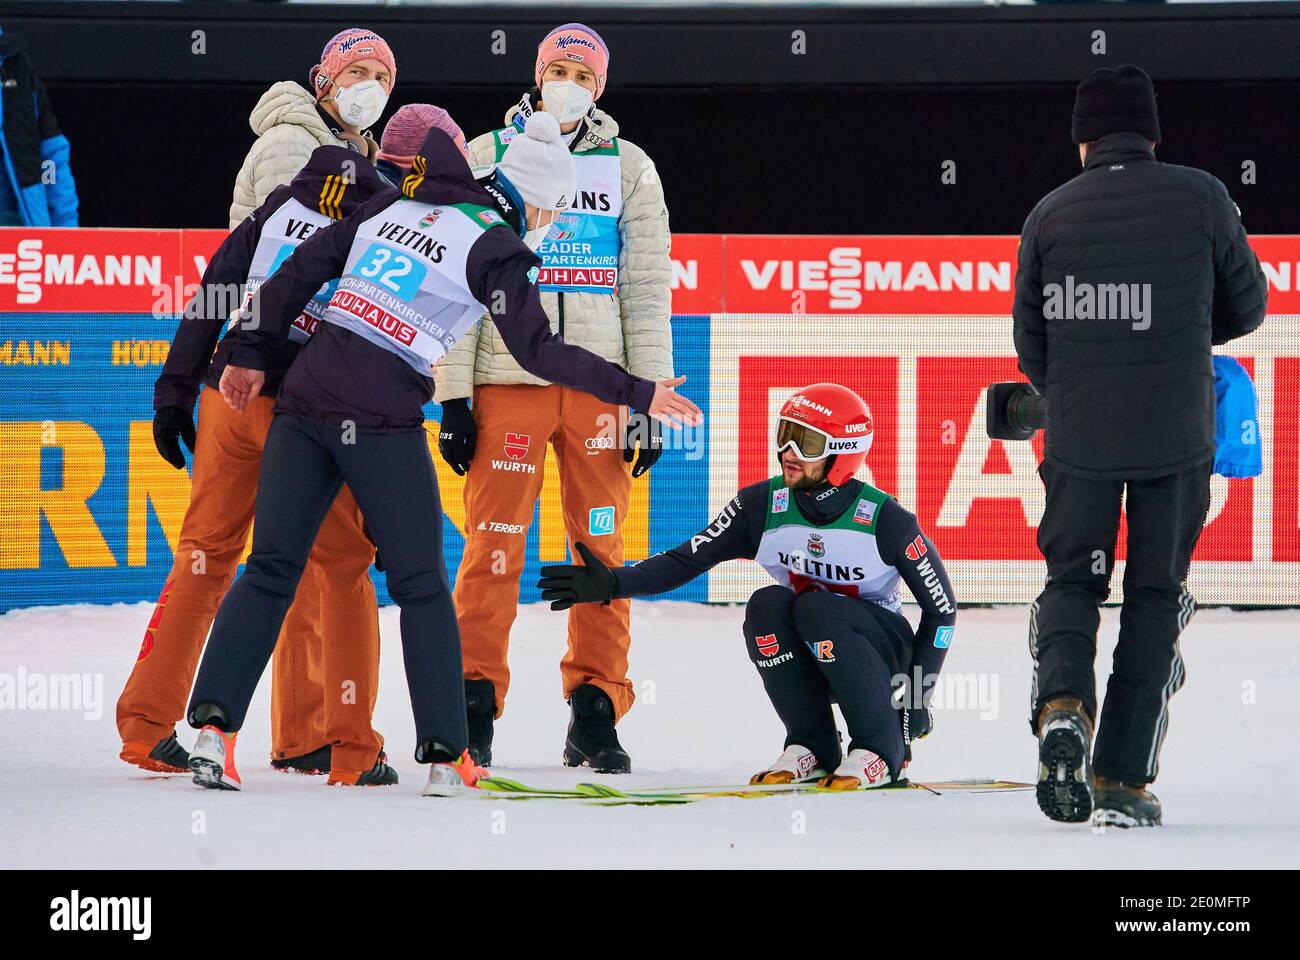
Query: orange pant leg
{"x": 501, "y": 489}
{"x": 595, "y": 492}
{"x": 298, "y": 673}
{"x": 212, "y": 539}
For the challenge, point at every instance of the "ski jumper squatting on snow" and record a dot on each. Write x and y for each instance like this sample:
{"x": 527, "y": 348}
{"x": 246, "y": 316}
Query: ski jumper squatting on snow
{"x": 830, "y": 630}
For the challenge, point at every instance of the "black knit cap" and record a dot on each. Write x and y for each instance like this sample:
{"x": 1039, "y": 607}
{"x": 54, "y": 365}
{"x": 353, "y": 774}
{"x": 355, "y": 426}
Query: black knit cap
{"x": 1115, "y": 100}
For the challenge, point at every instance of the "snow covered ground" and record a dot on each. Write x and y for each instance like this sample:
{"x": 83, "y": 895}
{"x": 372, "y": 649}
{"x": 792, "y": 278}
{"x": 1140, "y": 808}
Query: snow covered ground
{"x": 1229, "y": 777}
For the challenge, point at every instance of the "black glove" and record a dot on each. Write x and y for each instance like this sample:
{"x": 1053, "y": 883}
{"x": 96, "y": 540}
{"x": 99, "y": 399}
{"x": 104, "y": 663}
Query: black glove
{"x": 457, "y": 435}
{"x": 566, "y": 584}
{"x": 650, "y": 432}
{"x": 170, "y": 426}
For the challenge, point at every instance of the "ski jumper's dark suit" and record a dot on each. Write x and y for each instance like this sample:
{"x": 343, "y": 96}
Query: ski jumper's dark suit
{"x": 829, "y": 630}
{"x": 416, "y": 270}
{"x": 1131, "y": 410}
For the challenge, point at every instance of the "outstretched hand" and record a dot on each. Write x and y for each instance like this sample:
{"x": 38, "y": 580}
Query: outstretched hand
{"x": 566, "y": 584}
{"x": 672, "y": 408}
{"x": 240, "y": 385}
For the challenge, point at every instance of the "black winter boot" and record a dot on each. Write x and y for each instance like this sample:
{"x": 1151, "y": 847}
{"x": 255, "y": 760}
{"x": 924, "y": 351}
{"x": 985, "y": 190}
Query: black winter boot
{"x": 1064, "y": 788}
{"x": 1118, "y": 804}
{"x": 592, "y": 741}
{"x": 316, "y": 762}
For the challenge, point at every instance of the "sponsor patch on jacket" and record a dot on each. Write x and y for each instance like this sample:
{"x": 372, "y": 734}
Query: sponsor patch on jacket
{"x": 781, "y": 500}
{"x": 516, "y": 445}
{"x": 600, "y": 521}
{"x": 865, "y": 514}
{"x": 490, "y": 217}
{"x": 916, "y": 549}
{"x": 943, "y": 638}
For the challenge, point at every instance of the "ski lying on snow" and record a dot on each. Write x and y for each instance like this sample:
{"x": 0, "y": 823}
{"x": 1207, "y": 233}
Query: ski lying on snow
{"x": 602, "y": 792}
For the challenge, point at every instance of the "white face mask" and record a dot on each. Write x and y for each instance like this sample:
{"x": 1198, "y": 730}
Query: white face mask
{"x": 565, "y": 100}
{"x": 361, "y": 104}
{"x": 535, "y": 237}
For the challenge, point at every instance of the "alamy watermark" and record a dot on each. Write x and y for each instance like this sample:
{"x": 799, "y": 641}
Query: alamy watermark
{"x": 78, "y": 692}
{"x": 1098, "y": 301}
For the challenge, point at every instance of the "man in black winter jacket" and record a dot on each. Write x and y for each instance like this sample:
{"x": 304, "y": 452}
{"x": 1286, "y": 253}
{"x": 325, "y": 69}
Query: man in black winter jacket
{"x": 1128, "y": 275}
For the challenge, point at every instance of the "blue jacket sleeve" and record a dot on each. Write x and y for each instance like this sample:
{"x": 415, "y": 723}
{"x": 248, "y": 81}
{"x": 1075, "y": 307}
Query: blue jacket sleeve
{"x": 1237, "y": 449}
{"x": 61, "y": 192}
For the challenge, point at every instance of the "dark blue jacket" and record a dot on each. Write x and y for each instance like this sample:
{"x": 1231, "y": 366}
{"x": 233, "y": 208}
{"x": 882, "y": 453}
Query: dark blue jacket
{"x": 35, "y": 153}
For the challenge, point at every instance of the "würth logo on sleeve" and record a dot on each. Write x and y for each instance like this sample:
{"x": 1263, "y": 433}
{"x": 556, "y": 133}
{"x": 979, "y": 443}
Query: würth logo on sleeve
{"x": 767, "y": 645}
{"x": 916, "y": 549}
{"x": 517, "y": 445}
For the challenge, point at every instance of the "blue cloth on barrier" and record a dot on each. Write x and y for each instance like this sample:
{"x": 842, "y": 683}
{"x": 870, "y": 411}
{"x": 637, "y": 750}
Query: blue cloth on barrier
{"x": 1237, "y": 450}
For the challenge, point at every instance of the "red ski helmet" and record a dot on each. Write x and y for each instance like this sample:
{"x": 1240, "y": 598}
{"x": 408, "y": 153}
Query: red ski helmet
{"x": 826, "y": 420}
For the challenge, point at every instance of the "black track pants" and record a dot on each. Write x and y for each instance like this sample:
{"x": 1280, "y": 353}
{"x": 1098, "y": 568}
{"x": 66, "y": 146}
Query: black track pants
{"x": 820, "y": 647}
{"x": 1077, "y": 538}
{"x": 391, "y": 475}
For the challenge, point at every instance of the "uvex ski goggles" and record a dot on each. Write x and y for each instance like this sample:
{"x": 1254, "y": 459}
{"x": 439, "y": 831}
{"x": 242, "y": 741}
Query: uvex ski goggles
{"x": 809, "y": 443}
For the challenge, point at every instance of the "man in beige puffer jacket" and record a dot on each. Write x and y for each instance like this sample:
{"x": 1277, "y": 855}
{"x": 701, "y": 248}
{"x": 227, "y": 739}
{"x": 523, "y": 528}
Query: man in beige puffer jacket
{"x": 605, "y": 286}
{"x": 291, "y": 122}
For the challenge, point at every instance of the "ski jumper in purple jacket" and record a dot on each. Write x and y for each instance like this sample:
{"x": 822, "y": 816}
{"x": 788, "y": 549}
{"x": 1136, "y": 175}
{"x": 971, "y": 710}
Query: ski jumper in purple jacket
{"x": 415, "y": 271}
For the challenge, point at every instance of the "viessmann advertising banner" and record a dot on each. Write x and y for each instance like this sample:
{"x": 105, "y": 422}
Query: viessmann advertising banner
{"x": 918, "y": 325}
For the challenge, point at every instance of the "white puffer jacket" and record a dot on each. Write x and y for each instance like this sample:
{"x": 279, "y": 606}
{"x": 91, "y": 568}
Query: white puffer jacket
{"x": 288, "y": 129}
{"x": 632, "y": 328}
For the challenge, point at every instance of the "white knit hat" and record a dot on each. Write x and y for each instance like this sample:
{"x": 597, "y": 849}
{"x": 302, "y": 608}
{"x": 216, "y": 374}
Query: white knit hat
{"x": 540, "y": 166}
